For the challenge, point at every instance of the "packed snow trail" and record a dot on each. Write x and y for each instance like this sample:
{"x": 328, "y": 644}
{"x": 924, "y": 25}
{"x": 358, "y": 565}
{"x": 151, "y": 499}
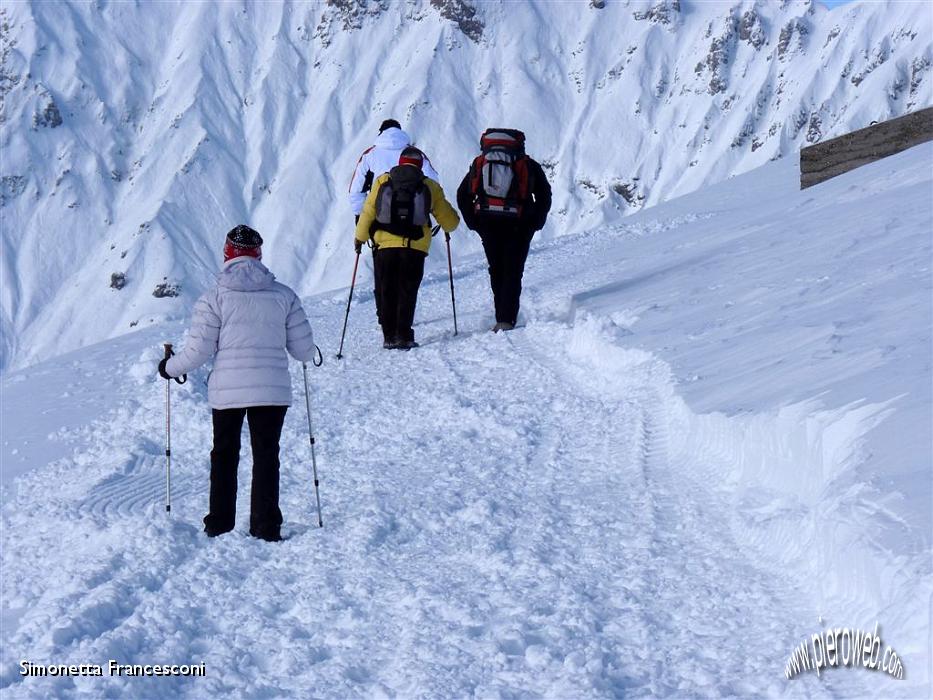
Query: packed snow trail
{"x": 492, "y": 526}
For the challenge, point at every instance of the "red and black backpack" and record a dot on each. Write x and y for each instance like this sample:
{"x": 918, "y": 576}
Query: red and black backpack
{"x": 500, "y": 182}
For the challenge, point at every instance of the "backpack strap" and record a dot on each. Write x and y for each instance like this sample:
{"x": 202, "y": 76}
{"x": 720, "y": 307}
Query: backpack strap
{"x": 523, "y": 173}
{"x": 476, "y": 181}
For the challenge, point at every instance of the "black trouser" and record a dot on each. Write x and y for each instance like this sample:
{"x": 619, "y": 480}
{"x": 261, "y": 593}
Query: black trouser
{"x": 265, "y": 429}
{"x": 398, "y": 273}
{"x": 506, "y": 252}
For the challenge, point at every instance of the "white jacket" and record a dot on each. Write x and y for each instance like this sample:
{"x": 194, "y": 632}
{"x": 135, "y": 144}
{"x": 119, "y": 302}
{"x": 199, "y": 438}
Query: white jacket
{"x": 380, "y": 158}
{"x": 246, "y": 323}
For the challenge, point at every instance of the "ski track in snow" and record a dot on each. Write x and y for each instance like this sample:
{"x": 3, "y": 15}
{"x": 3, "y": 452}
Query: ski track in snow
{"x": 542, "y": 543}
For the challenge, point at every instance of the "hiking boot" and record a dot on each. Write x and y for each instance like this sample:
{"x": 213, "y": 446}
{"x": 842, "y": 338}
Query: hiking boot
{"x": 390, "y": 345}
{"x": 214, "y": 533}
{"x": 502, "y": 326}
{"x": 267, "y": 535}
{"x": 407, "y": 344}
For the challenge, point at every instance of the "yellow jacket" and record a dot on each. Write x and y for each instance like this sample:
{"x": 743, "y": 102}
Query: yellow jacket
{"x": 445, "y": 215}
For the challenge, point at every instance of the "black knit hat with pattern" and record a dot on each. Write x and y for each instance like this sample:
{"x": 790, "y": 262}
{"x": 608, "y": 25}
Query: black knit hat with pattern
{"x": 242, "y": 240}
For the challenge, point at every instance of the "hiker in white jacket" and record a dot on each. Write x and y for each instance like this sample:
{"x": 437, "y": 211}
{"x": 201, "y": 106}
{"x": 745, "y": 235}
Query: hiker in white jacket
{"x": 380, "y": 158}
{"x": 246, "y": 323}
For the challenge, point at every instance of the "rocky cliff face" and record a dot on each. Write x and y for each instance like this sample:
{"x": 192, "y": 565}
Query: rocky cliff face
{"x": 133, "y": 137}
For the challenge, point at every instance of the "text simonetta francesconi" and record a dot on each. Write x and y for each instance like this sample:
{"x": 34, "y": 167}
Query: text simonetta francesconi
{"x": 112, "y": 668}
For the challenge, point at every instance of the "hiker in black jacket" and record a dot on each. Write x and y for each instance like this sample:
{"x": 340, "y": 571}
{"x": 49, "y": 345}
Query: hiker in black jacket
{"x": 505, "y": 197}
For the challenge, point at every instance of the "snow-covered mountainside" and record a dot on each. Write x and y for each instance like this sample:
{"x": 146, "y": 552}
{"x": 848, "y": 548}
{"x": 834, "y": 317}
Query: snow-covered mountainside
{"x": 133, "y": 135}
{"x": 710, "y": 439}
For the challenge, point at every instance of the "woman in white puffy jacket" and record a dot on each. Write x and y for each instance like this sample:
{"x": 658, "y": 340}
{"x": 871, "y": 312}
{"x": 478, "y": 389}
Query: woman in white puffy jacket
{"x": 246, "y": 323}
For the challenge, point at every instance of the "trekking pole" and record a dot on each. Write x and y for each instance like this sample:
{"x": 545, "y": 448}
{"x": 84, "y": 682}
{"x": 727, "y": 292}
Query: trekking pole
{"x": 349, "y": 299}
{"x": 168, "y": 430}
{"x": 450, "y": 272}
{"x": 317, "y": 494}
{"x": 168, "y": 436}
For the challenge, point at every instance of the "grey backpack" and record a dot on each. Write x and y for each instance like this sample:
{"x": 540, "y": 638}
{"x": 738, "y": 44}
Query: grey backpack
{"x": 403, "y": 203}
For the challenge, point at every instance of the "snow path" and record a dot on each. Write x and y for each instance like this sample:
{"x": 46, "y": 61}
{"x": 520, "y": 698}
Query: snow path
{"x": 518, "y": 528}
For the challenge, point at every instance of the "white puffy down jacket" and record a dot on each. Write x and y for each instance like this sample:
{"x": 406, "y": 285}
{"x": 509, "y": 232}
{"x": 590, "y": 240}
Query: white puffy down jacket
{"x": 246, "y": 323}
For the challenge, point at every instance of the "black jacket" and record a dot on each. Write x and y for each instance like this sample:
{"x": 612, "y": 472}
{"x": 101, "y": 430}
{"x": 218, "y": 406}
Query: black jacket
{"x": 533, "y": 217}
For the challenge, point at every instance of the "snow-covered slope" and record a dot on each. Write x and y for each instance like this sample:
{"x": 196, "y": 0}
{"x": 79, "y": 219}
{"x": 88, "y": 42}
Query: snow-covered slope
{"x": 133, "y": 136}
{"x": 710, "y": 438}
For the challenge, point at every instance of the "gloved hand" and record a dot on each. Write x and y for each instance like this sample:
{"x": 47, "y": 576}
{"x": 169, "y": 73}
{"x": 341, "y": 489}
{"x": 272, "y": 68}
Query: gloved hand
{"x": 358, "y": 245}
{"x": 162, "y": 372}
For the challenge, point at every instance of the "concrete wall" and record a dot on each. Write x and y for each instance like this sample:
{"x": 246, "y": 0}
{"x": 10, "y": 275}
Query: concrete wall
{"x": 839, "y": 155}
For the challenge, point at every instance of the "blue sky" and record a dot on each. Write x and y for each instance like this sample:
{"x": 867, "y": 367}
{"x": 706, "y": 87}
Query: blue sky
{"x": 835, "y": 3}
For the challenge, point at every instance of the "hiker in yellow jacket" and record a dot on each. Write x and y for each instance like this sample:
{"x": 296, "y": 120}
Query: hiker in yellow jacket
{"x": 397, "y": 216}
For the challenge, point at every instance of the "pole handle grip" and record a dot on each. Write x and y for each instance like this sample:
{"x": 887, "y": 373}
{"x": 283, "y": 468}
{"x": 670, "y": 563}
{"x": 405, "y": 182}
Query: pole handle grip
{"x": 168, "y": 350}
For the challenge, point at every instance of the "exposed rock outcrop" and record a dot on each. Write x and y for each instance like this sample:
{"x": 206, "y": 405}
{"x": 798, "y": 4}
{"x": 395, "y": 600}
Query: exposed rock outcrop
{"x": 718, "y": 58}
{"x": 751, "y": 29}
{"x": 792, "y": 37}
{"x": 166, "y": 289}
{"x": 665, "y": 12}
{"x": 49, "y": 117}
{"x": 463, "y": 14}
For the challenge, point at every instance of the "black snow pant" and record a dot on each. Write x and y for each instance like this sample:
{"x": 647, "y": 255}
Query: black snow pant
{"x": 265, "y": 429}
{"x": 506, "y": 252}
{"x": 398, "y": 273}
